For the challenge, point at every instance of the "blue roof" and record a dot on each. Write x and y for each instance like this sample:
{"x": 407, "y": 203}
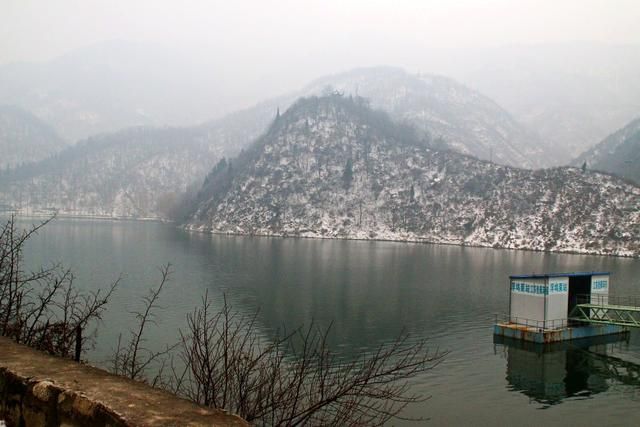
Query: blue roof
{"x": 572, "y": 274}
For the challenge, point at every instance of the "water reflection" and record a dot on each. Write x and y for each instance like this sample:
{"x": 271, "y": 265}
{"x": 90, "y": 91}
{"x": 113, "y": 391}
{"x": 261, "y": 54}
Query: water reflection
{"x": 369, "y": 291}
{"x": 551, "y": 373}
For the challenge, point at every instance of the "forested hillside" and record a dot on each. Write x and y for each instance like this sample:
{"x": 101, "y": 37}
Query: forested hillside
{"x": 331, "y": 167}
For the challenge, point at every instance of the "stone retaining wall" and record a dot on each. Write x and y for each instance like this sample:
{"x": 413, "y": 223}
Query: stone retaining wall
{"x": 41, "y": 390}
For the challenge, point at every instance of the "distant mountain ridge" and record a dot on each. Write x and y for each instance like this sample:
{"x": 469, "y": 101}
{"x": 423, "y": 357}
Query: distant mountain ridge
{"x": 24, "y": 138}
{"x": 135, "y": 173}
{"x": 619, "y": 153}
{"x": 572, "y": 94}
{"x": 115, "y": 85}
{"x": 448, "y": 113}
{"x": 330, "y": 167}
{"x": 466, "y": 120}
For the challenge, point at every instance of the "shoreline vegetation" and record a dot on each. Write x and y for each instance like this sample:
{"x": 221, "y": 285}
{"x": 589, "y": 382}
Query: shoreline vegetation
{"x": 416, "y": 240}
{"x": 423, "y": 241}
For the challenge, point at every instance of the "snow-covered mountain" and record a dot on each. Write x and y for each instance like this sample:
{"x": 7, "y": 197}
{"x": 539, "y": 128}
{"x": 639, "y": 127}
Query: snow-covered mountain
{"x": 573, "y": 94}
{"x": 330, "y": 167}
{"x": 447, "y": 113}
{"x": 135, "y": 173}
{"x": 24, "y": 138}
{"x": 619, "y": 153}
{"x": 464, "y": 119}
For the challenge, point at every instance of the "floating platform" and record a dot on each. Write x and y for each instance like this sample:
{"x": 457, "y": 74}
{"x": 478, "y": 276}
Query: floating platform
{"x": 554, "y": 347}
{"x": 546, "y": 336}
{"x": 556, "y": 307}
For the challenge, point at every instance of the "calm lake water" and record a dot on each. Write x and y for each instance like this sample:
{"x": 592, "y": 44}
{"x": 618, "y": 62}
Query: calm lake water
{"x": 371, "y": 291}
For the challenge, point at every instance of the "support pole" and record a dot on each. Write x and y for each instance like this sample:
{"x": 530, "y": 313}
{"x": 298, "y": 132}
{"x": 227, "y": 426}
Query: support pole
{"x": 78, "y": 343}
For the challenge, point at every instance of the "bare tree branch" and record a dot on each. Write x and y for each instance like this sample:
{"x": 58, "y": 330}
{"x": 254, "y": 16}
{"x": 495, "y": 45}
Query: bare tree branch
{"x": 43, "y": 309}
{"x": 295, "y": 379}
{"x": 133, "y": 359}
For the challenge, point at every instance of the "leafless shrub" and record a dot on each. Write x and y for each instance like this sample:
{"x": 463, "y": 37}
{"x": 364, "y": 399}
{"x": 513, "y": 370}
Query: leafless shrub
{"x": 43, "y": 309}
{"x": 134, "y": 359}
{"x": 295, "y": 379}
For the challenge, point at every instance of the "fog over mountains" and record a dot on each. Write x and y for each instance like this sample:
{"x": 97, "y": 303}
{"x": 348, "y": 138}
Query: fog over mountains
{"x": 572, "y": 95}
{"x": 25, "y": 138}
{"x": 451, "y": 114}
{"x": 618, "y": 154}
{"x": 448, "y": 114}
{"x": 371, "y": 153}
{"x": 123, "y": 174}
{"x": 114, "y": 85}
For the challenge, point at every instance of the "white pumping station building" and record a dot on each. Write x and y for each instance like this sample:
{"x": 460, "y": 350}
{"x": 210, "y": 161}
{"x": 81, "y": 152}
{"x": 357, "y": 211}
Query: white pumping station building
{"x": 555, "y": 307}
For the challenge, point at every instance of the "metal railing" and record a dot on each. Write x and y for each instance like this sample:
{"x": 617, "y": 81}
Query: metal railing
{"x": 621, "y": 310}
{"x": 540, "y": 325}
{"x": 605, "y": 309}
{"x": 602, "y": 300}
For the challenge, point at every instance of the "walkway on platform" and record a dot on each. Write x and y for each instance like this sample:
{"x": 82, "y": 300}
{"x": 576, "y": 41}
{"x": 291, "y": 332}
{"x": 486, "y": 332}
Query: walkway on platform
{"x": 604, "y": 309}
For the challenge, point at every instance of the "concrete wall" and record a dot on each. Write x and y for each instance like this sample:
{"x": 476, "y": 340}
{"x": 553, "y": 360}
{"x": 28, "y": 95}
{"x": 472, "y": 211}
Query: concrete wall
{"x": 558, "y": 298}
{"x": 527, "y": 298}
{"x": 600, "y": 289}
{"x": 41, "y": 390}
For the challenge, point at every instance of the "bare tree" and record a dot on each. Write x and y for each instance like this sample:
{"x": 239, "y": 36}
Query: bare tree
{"x": 43, "y": 309}
{"x": 225, "y": 362}
{"x": 134, "y": 359}
{"x": 294, "y": 379}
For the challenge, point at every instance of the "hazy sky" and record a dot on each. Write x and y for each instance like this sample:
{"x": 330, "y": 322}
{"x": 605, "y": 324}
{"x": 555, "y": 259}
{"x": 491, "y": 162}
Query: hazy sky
{"x": 42, "y": 29}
